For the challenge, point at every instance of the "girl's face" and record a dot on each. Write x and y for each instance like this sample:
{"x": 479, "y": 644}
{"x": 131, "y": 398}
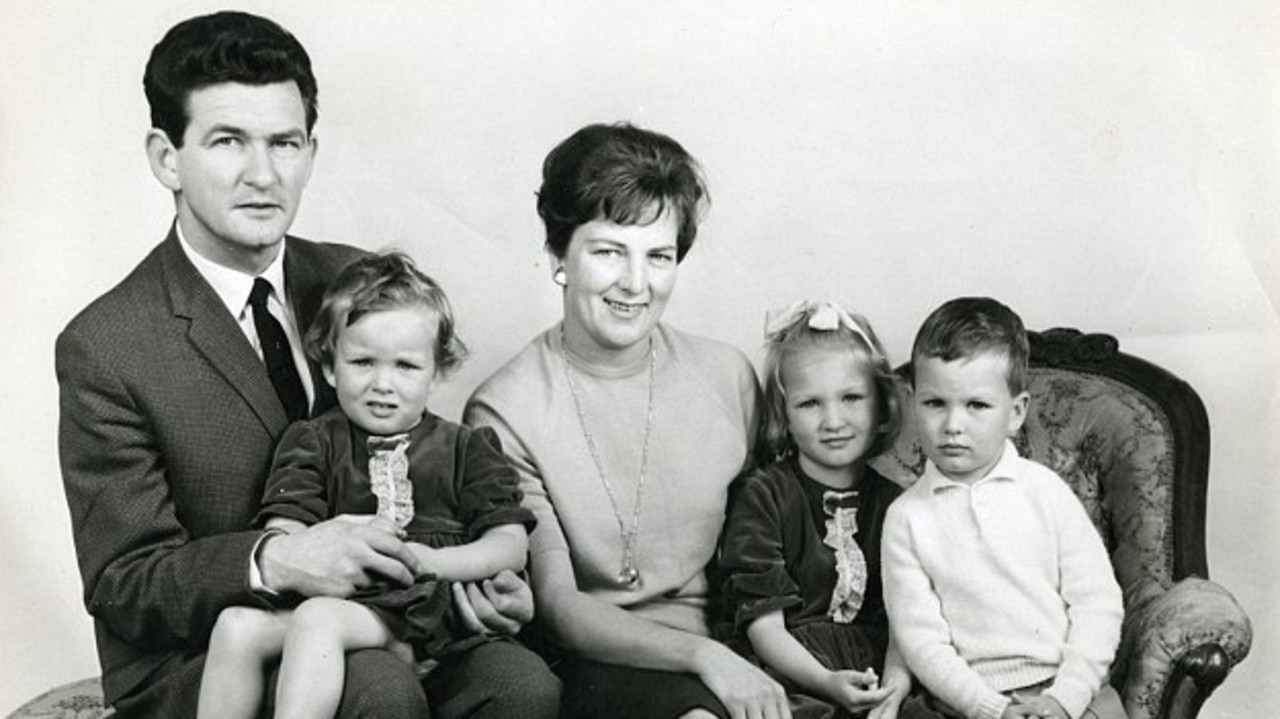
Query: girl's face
{"x": 831, "y": 410}
{"x": 618, "y": 279}
{"x": 383, "y": 368}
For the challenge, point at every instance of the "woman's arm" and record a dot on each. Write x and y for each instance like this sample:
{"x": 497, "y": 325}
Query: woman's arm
{"x": 606, "y": 633}
{"x": 504, "y": 546}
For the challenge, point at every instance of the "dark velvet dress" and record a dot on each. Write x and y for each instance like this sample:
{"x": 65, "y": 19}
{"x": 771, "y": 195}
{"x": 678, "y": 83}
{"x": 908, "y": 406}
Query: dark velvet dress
{"x": 774, "y": 557}
{"x": 462, "y": 486}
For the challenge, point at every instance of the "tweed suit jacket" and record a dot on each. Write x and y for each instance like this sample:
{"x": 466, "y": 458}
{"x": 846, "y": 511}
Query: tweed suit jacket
{"x": 167, "y": 426}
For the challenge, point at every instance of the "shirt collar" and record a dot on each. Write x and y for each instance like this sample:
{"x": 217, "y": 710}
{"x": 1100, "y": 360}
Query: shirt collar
{"x": 233, "y": 286}
{"x": 1003, "y": 469}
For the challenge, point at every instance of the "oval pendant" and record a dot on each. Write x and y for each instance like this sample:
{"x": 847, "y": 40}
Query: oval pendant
{"x": 628, "y": 576}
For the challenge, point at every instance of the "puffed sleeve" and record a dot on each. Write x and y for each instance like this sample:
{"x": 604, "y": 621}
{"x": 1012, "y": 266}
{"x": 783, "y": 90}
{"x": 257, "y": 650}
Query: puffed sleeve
{"x": 756, "y": 581}
{"x": 297, "y": 487}
{"x": 490, "y": 493}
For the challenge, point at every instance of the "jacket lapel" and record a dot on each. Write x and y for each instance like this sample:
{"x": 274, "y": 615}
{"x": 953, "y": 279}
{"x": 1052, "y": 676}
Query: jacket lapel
{"x": 218, "y": 337}
{"x": 306, "y": 286}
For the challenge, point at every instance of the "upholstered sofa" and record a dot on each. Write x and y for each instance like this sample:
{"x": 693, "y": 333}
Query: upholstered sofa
{"x": 1132, "y": 440}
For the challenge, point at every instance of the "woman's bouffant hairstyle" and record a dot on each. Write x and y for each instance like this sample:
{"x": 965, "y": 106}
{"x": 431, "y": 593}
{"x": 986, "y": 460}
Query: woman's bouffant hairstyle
{"x": 623, "y": 174}
{"x": 376, "y": 283}
{"x": 223, "y": 47}
{"x": 774, "y": 441}
{"x": 969, "y": 326}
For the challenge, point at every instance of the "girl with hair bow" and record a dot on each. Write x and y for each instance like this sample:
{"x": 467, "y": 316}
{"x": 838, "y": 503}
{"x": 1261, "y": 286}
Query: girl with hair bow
{"x": 801, "y": 553}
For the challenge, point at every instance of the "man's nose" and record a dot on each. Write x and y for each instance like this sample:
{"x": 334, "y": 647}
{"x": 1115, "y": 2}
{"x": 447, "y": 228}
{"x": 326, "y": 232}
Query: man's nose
{"x": 261, "y": 168}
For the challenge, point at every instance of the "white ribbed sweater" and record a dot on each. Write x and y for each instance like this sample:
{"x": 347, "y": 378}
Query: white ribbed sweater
{"x": 999, "y": 585}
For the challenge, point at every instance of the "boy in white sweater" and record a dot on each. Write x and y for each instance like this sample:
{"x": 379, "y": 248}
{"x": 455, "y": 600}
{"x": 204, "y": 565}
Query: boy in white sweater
{"x": 1000, "y": 593}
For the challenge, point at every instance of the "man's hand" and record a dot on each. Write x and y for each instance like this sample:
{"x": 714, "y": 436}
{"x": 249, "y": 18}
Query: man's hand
{"x": 336, "y": 557}
{"x": 743, "y": 688}
{"x": 499, "y": 605}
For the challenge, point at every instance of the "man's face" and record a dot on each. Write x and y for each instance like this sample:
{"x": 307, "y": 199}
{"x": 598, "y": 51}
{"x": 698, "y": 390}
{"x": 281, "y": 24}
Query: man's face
{"x": 238, "y": 177}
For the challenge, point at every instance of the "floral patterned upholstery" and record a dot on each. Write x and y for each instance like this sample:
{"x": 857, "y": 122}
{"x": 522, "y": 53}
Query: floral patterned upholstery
{"x": 78, "y": 700}
{"x": 1132, "y": 441}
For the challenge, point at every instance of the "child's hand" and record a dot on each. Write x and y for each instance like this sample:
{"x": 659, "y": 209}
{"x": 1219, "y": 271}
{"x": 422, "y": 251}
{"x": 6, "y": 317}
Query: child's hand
{"x": 888, "y": 709}
{"x": 856, "y": 691}
{"x": 1042, "y": 705}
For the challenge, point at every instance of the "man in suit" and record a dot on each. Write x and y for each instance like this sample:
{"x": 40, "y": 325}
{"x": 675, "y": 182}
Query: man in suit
{"x": 169, "y": 415}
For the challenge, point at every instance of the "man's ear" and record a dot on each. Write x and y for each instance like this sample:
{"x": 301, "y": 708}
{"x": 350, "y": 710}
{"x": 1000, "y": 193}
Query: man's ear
{"x": 163, "y": 157}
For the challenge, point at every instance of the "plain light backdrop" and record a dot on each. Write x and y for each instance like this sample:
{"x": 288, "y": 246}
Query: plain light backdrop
{"x": 1113, "y": 167}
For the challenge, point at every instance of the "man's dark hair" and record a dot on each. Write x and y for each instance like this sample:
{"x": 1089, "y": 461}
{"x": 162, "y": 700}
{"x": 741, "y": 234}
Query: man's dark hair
{"x": 222, "y": 47}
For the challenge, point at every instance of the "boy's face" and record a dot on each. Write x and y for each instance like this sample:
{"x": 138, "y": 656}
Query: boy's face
{"x": 964, "y": 412}
{"x": 383, "y": 368}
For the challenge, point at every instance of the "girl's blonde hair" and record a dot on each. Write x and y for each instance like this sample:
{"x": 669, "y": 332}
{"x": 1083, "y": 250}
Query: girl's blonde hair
{"x": 380, "y": 282}
{"x": 799, "y": 335}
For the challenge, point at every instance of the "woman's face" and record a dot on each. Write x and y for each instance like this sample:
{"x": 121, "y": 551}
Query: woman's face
{"x": 617, "y": 281}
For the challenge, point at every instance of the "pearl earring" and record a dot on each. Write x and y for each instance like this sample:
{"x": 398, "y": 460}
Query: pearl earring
{"x": 559, "y": 277}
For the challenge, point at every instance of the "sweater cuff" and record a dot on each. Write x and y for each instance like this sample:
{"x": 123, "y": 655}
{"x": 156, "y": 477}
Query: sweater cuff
{"x": 992, "y": 706}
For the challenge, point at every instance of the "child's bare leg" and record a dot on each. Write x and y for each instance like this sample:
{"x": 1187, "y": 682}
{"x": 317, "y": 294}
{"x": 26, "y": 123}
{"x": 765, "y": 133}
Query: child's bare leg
{"x": 244, "y": 639}
{"x": 313, "y": 665}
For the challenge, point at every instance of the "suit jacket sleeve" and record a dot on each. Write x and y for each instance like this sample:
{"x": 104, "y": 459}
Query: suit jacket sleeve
{"x": 145, "y": 577}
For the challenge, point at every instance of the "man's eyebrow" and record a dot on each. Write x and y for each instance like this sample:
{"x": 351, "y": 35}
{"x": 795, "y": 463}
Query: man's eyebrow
{"x": 226, "y": 130}
{"x": 296, "y": 133}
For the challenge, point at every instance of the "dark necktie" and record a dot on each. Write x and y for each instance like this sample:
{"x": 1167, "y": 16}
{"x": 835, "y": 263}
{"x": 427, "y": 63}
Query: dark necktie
{"x": 277, "y": 353}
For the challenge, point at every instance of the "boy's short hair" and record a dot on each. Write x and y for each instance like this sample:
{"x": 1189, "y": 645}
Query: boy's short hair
{"x": 968, "y": 326}
{"x": 223, "y": 47}
{"x": 377, "y": 283}
{"x": 618, "y": 173}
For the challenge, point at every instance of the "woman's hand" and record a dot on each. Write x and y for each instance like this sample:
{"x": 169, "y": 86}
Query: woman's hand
{"x": 743, "y": 688}
{"x": 856, "y": 691}
{"x": 502, "y": 604}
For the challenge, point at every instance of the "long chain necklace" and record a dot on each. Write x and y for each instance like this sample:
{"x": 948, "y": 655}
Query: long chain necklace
{"x": 629, "y": 575}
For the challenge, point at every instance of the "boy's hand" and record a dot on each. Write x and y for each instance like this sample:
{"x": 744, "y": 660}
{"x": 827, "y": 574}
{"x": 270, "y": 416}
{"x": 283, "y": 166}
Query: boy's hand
{"x": 1042, "y": 705}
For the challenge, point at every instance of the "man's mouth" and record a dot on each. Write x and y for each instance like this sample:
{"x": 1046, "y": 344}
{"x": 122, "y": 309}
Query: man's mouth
{"x": 259, "y": 206}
